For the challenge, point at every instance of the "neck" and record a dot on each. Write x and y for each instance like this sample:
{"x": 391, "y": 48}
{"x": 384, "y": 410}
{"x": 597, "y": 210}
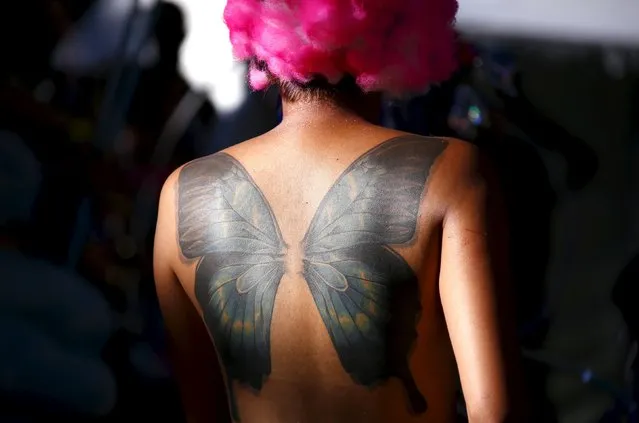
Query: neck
{"x": 334, "y": 111}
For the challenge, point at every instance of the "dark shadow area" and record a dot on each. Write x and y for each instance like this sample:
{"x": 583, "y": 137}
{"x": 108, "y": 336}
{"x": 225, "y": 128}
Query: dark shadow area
{"x": 486, "y": 103}
{"x": 624, "y": 295}
{"x": 529, "y": 198}
{"x": 86, "y": 338}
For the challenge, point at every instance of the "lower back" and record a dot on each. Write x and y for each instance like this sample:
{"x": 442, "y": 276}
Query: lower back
{"x": 308, "y": 382}
{"x": 310, "y": 402}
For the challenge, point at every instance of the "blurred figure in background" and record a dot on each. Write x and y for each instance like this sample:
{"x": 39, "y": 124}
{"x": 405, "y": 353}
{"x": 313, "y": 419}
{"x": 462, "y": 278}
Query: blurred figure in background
{"x": 28, "y": 33}
{"x": 164, "y": 104}
{"x": 29, "y": 89}
{"x": 20, "y": 181}
{"x": 163, "y": 127}
{"x": 53, "y": 323}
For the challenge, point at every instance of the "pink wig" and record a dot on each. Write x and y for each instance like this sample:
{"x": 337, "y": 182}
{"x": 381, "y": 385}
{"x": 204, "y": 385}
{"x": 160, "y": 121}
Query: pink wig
{"x": 396, "y": 46}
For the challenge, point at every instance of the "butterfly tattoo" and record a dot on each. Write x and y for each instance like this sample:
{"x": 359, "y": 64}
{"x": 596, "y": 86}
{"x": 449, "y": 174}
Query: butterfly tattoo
{"x": 365, "y": 292}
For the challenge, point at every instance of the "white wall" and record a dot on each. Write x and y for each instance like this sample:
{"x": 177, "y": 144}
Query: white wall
{"x": 596, "y": 21}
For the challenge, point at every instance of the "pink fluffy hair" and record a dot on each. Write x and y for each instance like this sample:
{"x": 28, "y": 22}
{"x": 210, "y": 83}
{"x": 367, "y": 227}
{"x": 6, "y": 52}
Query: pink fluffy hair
{"x": 396, "y": 46}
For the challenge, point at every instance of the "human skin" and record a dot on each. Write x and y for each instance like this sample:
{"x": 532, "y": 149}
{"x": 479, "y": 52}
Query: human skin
{"x": 379, "y": 338}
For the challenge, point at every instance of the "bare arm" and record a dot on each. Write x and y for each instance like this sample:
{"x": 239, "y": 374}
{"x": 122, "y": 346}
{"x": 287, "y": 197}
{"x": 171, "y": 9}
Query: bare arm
{"x": 474, "y": 294}
{"x": 193, "y": 356}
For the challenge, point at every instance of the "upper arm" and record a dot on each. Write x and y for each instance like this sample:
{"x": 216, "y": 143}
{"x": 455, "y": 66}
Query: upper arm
{"x": 192, "y": 353}
{"x": 474, "y": 292}
{"x": 165, "y": 248}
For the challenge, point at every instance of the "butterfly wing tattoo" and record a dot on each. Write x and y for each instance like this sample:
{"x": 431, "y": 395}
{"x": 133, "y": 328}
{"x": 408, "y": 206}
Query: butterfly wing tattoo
{"x": 225, "y": 222}
{"x": 366, "y": 293}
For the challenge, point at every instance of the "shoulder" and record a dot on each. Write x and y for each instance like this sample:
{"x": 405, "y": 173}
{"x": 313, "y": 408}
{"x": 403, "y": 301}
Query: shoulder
{"x": 186, "y": 186}
{"x": 195, "y": 172}
{"x": 166, "y": 234}
{"x": 188, "y": 176}
{"x": 165, "y": 246}
{"x": 169, "y": 189}
{"x": 461, "y": 173}
{"x": 461, "y": 163}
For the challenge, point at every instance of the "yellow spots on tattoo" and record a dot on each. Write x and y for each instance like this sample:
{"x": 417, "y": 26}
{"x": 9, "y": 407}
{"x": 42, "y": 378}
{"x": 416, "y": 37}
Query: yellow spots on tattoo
{"x": 331, "y": 312}
{"x": 225, "y": 317}
{"x": 365, "y": 282}
{"x": 372, "y": 308}
{"x": 362, "y": 321}
{"x": 346, "y": 321}
{"x": 240, "y": 326}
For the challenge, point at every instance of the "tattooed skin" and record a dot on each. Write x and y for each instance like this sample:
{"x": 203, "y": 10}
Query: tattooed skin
{"x": 365, "y": 292}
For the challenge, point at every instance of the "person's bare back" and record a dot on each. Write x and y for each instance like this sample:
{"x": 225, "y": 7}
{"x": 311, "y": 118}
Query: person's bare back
{"x": 342, "y": 270}
{"x": 315, "y": 259}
